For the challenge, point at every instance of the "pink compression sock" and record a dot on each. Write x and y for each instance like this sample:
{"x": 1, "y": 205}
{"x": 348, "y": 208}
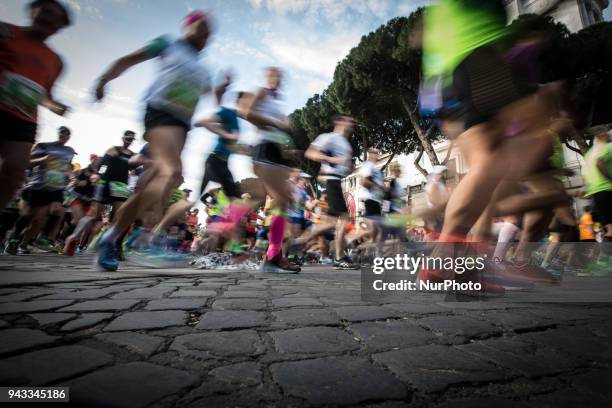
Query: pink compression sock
{"x": 276, "y": 234}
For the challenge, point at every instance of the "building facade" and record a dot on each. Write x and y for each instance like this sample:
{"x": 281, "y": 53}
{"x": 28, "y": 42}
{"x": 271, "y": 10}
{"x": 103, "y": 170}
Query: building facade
{"x": 414, "y": 182}
{"x": 575, "y": 14}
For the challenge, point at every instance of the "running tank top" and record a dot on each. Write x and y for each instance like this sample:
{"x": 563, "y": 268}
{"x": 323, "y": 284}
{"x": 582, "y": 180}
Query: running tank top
{"x": 117, "y": 168}
{"x": 270, "y": 106}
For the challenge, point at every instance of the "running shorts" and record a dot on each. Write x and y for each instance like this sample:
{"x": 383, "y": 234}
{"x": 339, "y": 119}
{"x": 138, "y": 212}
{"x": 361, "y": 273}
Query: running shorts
{"x": 216, "y": 170}
{"x": 335, "y": 199}
{"x": 41, "y": 198}
{"x": 297, "y": 221}
{"x": 155, "y": 118}
{"x": 372, "y": 208}
{"x": 482, "y": 85}
{"x": 15, "y": 129}
{"x": 269, "y": 153}
{"x": 602, "y": 207}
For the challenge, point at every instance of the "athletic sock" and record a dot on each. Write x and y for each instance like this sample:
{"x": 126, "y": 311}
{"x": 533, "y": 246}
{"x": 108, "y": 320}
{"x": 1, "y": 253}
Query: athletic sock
{"x": 276, "y": 235}
{"x": 506, "y": 236}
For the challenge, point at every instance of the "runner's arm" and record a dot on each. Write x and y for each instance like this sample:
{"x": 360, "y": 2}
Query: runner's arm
{"x": 211, "y": 124}
{"x": 119, "y": 67}
{"x": 139, "y": 160}
{"x": 38, "y": 160}
{"x": 221, "y": 88}
{"x": 314, "y": 153}
{"x": 49, "y": 101}
{"x": 249, "y": 111}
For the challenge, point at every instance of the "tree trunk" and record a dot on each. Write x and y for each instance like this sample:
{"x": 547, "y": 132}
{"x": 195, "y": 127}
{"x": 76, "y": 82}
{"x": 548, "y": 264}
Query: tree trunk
{"x": 364, "y": 141}
{"x": 448, "y": 152}
{"x": 418, "y": 166}
{"x": 425, "y": 143}
{"x": 388, "y": 161}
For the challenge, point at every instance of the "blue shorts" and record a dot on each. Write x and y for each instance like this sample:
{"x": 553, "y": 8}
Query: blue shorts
{"x": 296, "y": 220}
{"x": 262, "y": 233}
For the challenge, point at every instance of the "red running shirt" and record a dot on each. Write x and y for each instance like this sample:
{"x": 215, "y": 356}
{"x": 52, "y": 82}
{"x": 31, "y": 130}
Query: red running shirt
{"x": 28, "y": 70}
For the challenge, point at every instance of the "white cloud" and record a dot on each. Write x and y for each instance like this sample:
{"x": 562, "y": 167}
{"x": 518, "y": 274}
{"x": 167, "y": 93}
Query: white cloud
{"x": 329, "y": 9}
{"x": 316, "y": 55}
{"x": 237, "y": 46}
{"x": 86, "y": 7}
{"x": 316, "y": 86}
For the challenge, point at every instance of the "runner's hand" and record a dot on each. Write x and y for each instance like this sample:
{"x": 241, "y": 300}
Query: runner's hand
{"x": 59, "y": 108}
{"x": 99, "y": 95}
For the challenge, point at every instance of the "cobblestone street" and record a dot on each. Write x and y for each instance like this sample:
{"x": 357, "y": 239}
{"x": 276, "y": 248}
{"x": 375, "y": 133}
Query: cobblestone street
{"x": 187, "y": 338}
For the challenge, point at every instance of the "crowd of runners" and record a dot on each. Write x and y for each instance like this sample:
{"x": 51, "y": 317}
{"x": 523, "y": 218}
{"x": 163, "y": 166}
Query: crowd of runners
{"x": 480, "y": 84}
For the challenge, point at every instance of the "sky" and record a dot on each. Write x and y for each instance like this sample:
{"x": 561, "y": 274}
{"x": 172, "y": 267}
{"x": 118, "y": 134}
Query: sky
{"x": 306, "y": 38}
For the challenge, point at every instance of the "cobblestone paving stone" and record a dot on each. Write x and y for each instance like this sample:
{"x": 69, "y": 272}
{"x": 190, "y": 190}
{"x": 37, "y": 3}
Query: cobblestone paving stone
{"x": 247, "y": 339}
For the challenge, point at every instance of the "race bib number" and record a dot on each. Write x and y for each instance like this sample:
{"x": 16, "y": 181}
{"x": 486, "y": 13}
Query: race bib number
{"x": 55, "y": 179}
{"x": 20, "y": 93}
{"x": 119, "y": 189}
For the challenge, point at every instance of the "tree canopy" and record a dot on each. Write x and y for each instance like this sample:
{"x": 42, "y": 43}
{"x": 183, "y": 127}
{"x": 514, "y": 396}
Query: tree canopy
{"x": 378, "y": 82}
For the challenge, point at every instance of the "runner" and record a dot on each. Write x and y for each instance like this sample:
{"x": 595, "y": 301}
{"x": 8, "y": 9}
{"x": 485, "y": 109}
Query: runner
{"x": 296, "y": 211}
{"x": 462, "y": 58}
{"x": 82, "y": 191}
{"x": 171, "y": 102}
{"x": 111, "y": 190}
{"x": 43, "y": 195}
{"x": 334, "y": 152}
{"x": 270, "y": 164}
{"x": 28, "y": 71}
{"x": 372, "y": 192}
{"x": 224, "y": 124}
{"x": 598, "y": 179}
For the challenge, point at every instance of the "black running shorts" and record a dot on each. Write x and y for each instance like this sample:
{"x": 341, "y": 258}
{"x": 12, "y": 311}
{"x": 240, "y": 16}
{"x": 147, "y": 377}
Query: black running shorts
{"x": 335, "y": 199}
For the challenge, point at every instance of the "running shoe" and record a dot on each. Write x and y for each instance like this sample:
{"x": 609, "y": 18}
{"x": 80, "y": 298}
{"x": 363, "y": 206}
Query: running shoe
{"x": 95, "y": 243}
{"x": 295, "y": 259}
{"x": 71, "y": 246}
{"x": 44, "y": 244}
{"x": 107, "y": 256}
{"x": 11, "y": 247}
{"x": 600, "y": 268}
{"x": 346, "y": 264}
{"x": 326, "y": 261}
{"x": 24, "y": 250}
{"x": 487, "y": 287}
{"x": 432, "y": 275}
{"x": 129, "y": 243}
{"x": 530, "y": 273}
{"x": 280, "y": 265}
